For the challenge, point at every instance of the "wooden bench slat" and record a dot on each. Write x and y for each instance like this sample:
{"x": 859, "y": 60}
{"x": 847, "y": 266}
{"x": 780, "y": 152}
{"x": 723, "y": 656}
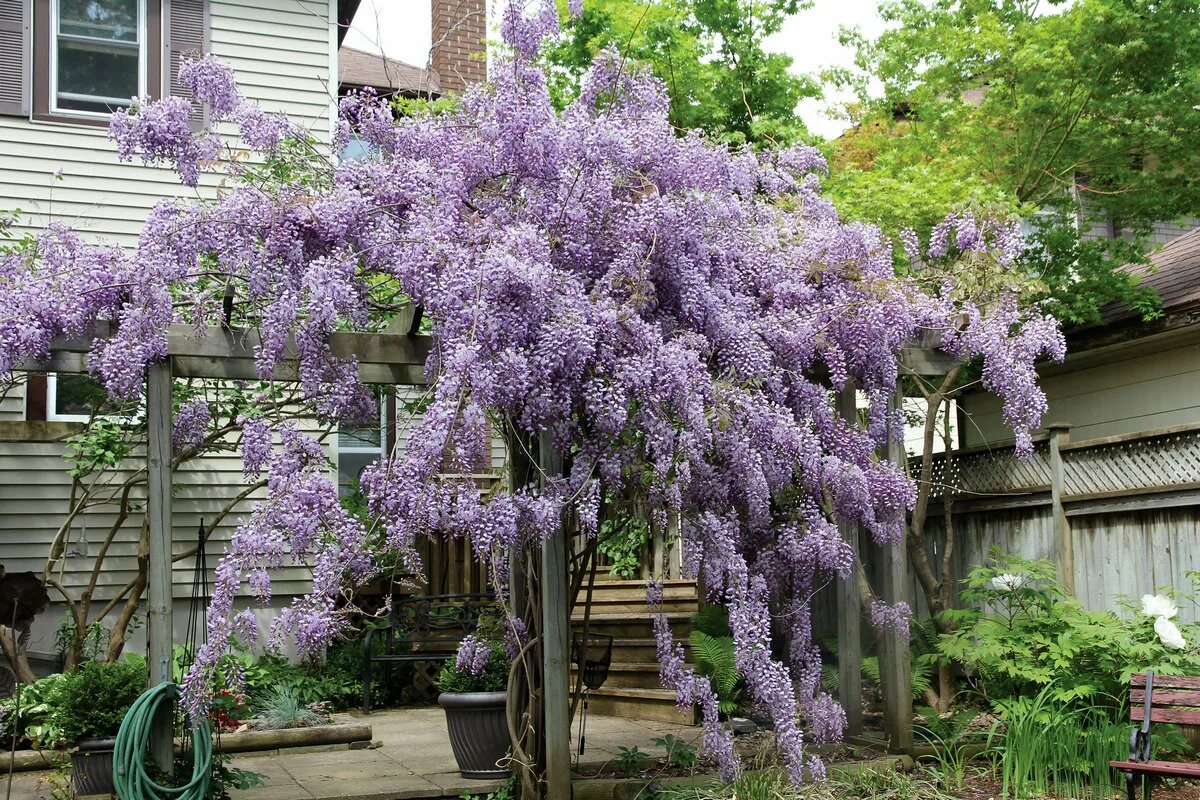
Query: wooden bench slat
{"x": 1174, "y": 768}
{"x": 1179, "y": 716}
{"x": 1166, "y": 697}
{"x": 1138, "y": 681}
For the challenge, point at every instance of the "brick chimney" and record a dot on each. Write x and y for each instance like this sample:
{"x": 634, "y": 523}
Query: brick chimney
{"x": 459, "y": 47}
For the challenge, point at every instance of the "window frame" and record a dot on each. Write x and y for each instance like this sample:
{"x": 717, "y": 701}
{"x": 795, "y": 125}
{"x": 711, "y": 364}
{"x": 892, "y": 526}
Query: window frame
{"x": 379, "y": 451}
{"x": 51, "y": 404}
{"x": 52, "y": 414}
{"x": 143, "y": 59}
{"x": 151, "y": 77}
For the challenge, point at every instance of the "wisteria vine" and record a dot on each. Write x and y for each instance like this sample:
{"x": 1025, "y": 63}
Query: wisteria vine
{"x": 673, "y": 312}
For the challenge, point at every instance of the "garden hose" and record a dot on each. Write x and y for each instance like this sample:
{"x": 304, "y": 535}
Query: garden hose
{"x": 129, "y": 757}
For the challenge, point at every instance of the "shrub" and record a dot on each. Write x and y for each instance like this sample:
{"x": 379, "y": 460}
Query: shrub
{"x": 1021, "y": 633}
{"x": 91, "y": 701}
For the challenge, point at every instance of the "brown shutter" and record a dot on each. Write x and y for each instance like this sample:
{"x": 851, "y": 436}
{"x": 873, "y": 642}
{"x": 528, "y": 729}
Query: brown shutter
{"x": 15, "y": 47}
{"x": 187, "y": 37}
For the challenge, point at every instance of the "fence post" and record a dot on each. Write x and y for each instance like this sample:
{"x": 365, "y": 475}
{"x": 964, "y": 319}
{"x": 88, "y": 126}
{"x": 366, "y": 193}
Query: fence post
{"x": 849, "y": 606}
{"x": 1060, "y": 434}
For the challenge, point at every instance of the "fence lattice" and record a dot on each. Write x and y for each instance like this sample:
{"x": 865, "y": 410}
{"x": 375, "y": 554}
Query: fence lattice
{"x": 1158, "y": 460}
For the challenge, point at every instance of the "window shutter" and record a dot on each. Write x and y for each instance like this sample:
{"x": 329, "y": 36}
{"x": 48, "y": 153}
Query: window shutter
{"x": 187, "y": 37}
{"x": 15, "y": 46}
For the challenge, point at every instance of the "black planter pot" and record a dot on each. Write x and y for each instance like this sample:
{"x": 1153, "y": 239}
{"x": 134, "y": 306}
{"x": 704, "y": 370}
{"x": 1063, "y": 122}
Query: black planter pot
{"x": 92, "y": 766}
{"x": 478, "y": 728}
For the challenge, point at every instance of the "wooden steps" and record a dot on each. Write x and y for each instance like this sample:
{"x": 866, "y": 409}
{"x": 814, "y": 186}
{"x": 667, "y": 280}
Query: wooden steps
{"x": 630, "y": 675}
{"x": 619, "y": 609}
{"x": 656, "y": 705}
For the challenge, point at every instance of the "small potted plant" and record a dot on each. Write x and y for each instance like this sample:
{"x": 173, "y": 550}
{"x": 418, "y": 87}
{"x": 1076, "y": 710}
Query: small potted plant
{"x": 89, "y": 704}
{"x": 473, "y": 690}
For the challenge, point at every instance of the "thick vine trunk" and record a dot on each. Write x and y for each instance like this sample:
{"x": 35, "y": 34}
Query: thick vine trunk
{"x": 16, "y": 658}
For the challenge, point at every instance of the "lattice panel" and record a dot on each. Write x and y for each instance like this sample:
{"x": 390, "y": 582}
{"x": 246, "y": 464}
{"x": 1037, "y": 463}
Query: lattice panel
{"x": 992, "y": 472}
{"x": 1155, "y": 462}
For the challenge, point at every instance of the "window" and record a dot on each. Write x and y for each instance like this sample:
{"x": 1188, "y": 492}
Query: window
{"x": 357, "y": 448}
{"x": 97, "y": 54}
{"x": 77, "y": 61}
{"x": 71, "y": 398}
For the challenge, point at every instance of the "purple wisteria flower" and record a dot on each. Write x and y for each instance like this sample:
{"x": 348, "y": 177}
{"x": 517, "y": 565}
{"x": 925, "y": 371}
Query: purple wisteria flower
{"x": 891, "y": 616}
{"x": 669, "y": 316}
{"x": 191, "y": 423}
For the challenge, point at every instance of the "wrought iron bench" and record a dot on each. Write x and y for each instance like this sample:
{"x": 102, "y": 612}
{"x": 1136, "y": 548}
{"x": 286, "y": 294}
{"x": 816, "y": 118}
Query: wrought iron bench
{"x": 423, "y": 629}
{"x": 1171, "y": 699}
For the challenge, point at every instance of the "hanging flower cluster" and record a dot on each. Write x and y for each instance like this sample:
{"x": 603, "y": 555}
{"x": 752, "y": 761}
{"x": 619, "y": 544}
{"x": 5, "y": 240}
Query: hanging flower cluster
{"x": 673, "y": 313}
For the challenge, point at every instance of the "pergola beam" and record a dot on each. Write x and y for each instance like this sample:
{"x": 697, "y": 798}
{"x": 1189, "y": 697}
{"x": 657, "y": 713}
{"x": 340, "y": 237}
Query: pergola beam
{"x": 229, "y": 354}
{"x": 239, "y": 343}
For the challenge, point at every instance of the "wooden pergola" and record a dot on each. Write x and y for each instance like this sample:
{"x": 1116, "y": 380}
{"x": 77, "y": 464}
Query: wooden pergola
{"x": 398, "y": 359}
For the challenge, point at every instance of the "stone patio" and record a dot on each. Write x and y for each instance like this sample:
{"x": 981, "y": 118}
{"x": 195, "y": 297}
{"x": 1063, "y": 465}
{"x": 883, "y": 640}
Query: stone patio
{"x": 410, "y": 758}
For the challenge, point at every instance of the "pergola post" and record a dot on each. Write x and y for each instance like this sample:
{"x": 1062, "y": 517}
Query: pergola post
{"x": 158, "y": 517}
{"x": 894, "y": 666}
{"x": 849, "y": 606}
{"x": 556, "y": 623}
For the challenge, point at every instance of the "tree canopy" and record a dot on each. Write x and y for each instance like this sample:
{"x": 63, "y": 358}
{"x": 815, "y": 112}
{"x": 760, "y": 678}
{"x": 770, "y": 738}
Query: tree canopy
{"x": 710, "y": 55}
{"x": 1086, "y": 107}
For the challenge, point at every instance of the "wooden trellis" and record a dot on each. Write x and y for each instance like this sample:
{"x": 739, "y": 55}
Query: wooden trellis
{"x": 399, "y": 359}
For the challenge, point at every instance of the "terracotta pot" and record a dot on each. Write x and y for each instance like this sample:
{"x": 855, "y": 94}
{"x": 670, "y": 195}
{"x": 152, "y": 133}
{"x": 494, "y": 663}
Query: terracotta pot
{"x": 478, "y": 726}
{"x": 92, "y": 766}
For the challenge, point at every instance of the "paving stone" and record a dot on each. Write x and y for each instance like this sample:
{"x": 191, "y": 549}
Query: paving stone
{"x": 454, "y": 784}
{"x": 372, "y": 788}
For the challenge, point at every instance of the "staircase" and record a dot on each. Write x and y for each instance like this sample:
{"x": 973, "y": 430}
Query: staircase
{"x": 619, "y": 609}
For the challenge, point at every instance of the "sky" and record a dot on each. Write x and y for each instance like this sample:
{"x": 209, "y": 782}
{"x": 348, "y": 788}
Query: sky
{"x": 400, "y": 29}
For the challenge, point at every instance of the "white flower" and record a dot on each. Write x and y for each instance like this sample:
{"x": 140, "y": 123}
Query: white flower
{"x": 1158, "y": 605}
{"x": 1168, "y": 634}
{"x": 1008, "y": 582}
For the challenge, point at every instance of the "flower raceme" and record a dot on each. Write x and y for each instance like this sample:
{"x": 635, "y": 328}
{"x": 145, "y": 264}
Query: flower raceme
{"x": 673, "y": 313}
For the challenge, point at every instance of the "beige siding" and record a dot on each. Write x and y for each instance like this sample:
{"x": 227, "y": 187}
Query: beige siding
{"x": 280, "y": 50}
{"x": 35, "y": 492}
{"x": 12, "y": 404}
{"x": 1145, "y": 392}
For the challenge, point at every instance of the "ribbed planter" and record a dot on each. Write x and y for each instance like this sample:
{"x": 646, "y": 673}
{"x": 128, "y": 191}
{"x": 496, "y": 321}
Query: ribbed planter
{"x": 478, "y": 729}
{"x": 92, "y": 766}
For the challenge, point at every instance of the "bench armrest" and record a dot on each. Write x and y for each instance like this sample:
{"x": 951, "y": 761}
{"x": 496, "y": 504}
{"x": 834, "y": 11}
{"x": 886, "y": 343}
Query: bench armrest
{"x": 1139, "y": 744}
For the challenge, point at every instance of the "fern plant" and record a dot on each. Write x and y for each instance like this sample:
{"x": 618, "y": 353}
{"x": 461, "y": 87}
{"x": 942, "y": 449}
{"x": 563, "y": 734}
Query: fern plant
{"x": 923, "y": 650}
{"x": 712, "y": 650}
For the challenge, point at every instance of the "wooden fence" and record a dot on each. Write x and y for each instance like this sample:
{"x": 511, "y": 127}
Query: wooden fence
{"x": 1119, "y": 516}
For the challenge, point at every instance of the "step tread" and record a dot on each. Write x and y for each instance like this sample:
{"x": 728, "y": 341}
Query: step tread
{"x": 601, "y": 579}
{"x": 635, "y": 616}
{"x": 628, "y": 596}
{"x": 634, "y": 694}
{"x": 630, "y": 666}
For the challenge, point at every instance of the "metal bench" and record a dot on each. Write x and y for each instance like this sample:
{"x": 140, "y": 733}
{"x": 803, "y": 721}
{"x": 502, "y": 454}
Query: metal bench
{"x": 423, "y": 629}
{"x": 1171, "y": 699}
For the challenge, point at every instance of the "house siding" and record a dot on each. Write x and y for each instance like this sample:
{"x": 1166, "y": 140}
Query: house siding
{"x": 1138, "y": 393}
{"x": 35, "y": 492}
{"x": 280, "y": 52}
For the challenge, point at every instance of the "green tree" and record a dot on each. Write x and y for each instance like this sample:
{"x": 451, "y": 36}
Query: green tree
{"x": 1088, "y": 109}
{"x": 709, "y": 53}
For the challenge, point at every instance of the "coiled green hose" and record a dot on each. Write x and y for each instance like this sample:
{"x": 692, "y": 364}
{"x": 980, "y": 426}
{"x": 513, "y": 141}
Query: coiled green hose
{"x": 129, "y": 757}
